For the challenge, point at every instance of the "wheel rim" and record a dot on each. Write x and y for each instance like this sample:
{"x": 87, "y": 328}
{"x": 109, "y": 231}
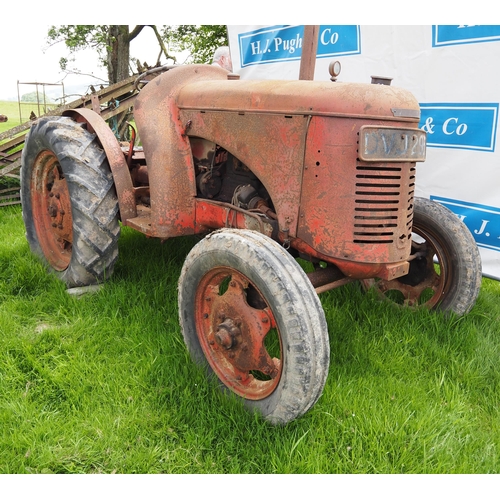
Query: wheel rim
{"x": 241, "y": 342}
{"x": 428, "y": 278}
{"x": 51, "y": 208}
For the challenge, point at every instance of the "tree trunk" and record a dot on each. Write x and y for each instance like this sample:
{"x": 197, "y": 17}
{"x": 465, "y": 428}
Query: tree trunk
{"x": 118, "y": 53}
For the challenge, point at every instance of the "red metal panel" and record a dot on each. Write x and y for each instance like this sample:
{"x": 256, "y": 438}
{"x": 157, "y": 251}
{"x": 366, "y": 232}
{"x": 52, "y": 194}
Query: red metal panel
{"x": 265, "y": 125}
{"x": 353, "y": 210}
{"x": 167, "y": 149}
{"x": 271, "y": 146}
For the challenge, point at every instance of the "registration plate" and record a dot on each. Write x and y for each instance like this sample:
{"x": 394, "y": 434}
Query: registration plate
{"x": 391, "y": 144}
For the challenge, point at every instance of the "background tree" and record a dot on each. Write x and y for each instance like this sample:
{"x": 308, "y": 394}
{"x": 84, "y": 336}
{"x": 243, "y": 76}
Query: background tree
{"x": 36, "y": 97}
{"x": 200, "y": 40}
{"x": 111, "y": 42}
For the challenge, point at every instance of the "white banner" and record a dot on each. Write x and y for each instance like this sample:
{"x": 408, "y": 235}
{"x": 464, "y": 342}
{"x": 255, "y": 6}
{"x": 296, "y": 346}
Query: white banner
{"x": 451, "y": 70}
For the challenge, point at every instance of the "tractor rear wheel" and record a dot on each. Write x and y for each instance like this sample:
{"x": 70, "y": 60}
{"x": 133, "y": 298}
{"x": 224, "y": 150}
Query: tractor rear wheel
{"x": 445, "y": 272}
{"x": 250, "y": 314}
{"x": 69, "y": 203}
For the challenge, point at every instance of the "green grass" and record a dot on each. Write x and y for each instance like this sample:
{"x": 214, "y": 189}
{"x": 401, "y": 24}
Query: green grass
{"x": 11, "y": 110}
{"x": 103, "y": 383}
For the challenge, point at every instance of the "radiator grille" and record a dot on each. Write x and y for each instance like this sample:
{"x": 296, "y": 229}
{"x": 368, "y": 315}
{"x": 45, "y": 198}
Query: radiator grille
{"x": 383, "y": 206}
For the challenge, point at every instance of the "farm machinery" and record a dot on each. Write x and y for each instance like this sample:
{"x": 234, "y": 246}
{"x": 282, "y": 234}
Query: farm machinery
{"x": 266, "y": 173}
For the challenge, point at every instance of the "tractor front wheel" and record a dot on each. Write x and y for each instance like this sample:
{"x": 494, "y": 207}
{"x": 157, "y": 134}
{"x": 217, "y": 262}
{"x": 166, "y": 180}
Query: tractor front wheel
{"x": 250, "y": 314}
{"x": 445, "y": 270}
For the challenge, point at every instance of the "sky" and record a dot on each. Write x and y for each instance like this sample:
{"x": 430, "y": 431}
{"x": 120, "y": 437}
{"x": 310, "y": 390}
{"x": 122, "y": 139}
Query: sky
{"x": 26, "y": 57}
{"x": 33, "y": 61}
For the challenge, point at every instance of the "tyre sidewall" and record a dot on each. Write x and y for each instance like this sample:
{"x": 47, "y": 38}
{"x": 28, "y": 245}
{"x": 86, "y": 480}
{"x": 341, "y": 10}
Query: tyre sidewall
{"x": 452, "y": 235}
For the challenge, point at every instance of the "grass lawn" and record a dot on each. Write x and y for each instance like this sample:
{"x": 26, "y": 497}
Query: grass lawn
{"x": 11, "y": 110}
{"x": 103, "y": 383}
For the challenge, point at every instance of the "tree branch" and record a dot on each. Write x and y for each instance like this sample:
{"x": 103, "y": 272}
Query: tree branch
{"x": 162, "y": 45}
{"x": 136, "y": 31}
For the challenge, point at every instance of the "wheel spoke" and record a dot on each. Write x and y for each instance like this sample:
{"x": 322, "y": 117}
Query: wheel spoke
{"x": 423, "y": 286}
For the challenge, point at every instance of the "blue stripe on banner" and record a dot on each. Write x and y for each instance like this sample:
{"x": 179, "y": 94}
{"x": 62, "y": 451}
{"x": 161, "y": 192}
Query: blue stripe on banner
{"x": 483, "y": 221}
{"x": 460, "y": 126}
{"x": 284, "y": 43}
{"x": 460, "y": 34}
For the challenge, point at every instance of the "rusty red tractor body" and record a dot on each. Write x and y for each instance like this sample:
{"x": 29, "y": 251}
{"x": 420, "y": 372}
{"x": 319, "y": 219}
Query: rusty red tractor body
{"x": 268, "y": 171}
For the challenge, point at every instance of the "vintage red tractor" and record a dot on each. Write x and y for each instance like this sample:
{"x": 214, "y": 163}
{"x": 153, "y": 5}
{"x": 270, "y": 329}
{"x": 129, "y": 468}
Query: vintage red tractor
{"x": 267, "y": 171}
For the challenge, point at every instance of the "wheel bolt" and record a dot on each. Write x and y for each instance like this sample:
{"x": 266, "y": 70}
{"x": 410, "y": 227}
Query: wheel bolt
{"x": 227, "y": 334}
{"x": 224, "y": 338}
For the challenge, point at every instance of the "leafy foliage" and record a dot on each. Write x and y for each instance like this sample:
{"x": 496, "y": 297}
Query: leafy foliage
{"x": 111, "y": 43}
{"x": 78, "y": 37}
{"x": 201, "y": 41}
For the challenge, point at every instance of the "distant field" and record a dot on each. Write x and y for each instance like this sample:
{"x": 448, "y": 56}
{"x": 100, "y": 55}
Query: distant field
{"x": 11, "y": 110}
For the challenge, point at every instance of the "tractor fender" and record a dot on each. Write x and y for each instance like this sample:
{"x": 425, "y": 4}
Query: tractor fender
{"x": 167, "y": 148}
{"x": 121, "y": 175}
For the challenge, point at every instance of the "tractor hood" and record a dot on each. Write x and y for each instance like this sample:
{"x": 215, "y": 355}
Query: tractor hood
{"x": 272, "y": 127}
{"x": 302, "y": 97}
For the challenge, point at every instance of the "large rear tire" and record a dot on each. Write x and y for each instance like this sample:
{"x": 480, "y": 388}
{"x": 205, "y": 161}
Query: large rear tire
{"x": 250, "y": 314}
{"x": 446, "y": 271}
{"x": 69, "y": 202}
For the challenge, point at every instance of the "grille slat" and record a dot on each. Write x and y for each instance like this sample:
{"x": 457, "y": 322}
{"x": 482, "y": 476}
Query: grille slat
{"x": 380, "y": 192}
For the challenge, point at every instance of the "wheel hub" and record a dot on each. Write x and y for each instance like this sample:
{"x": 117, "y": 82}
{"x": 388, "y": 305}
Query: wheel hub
{"x": 59, "y": 210}
{"x": 233, "y": 335}
{"x": 226, "y": 334}
{"x": 51, "y": 206}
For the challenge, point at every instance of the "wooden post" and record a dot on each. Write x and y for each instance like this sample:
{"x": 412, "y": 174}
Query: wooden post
{"x": 309, "y": 48}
